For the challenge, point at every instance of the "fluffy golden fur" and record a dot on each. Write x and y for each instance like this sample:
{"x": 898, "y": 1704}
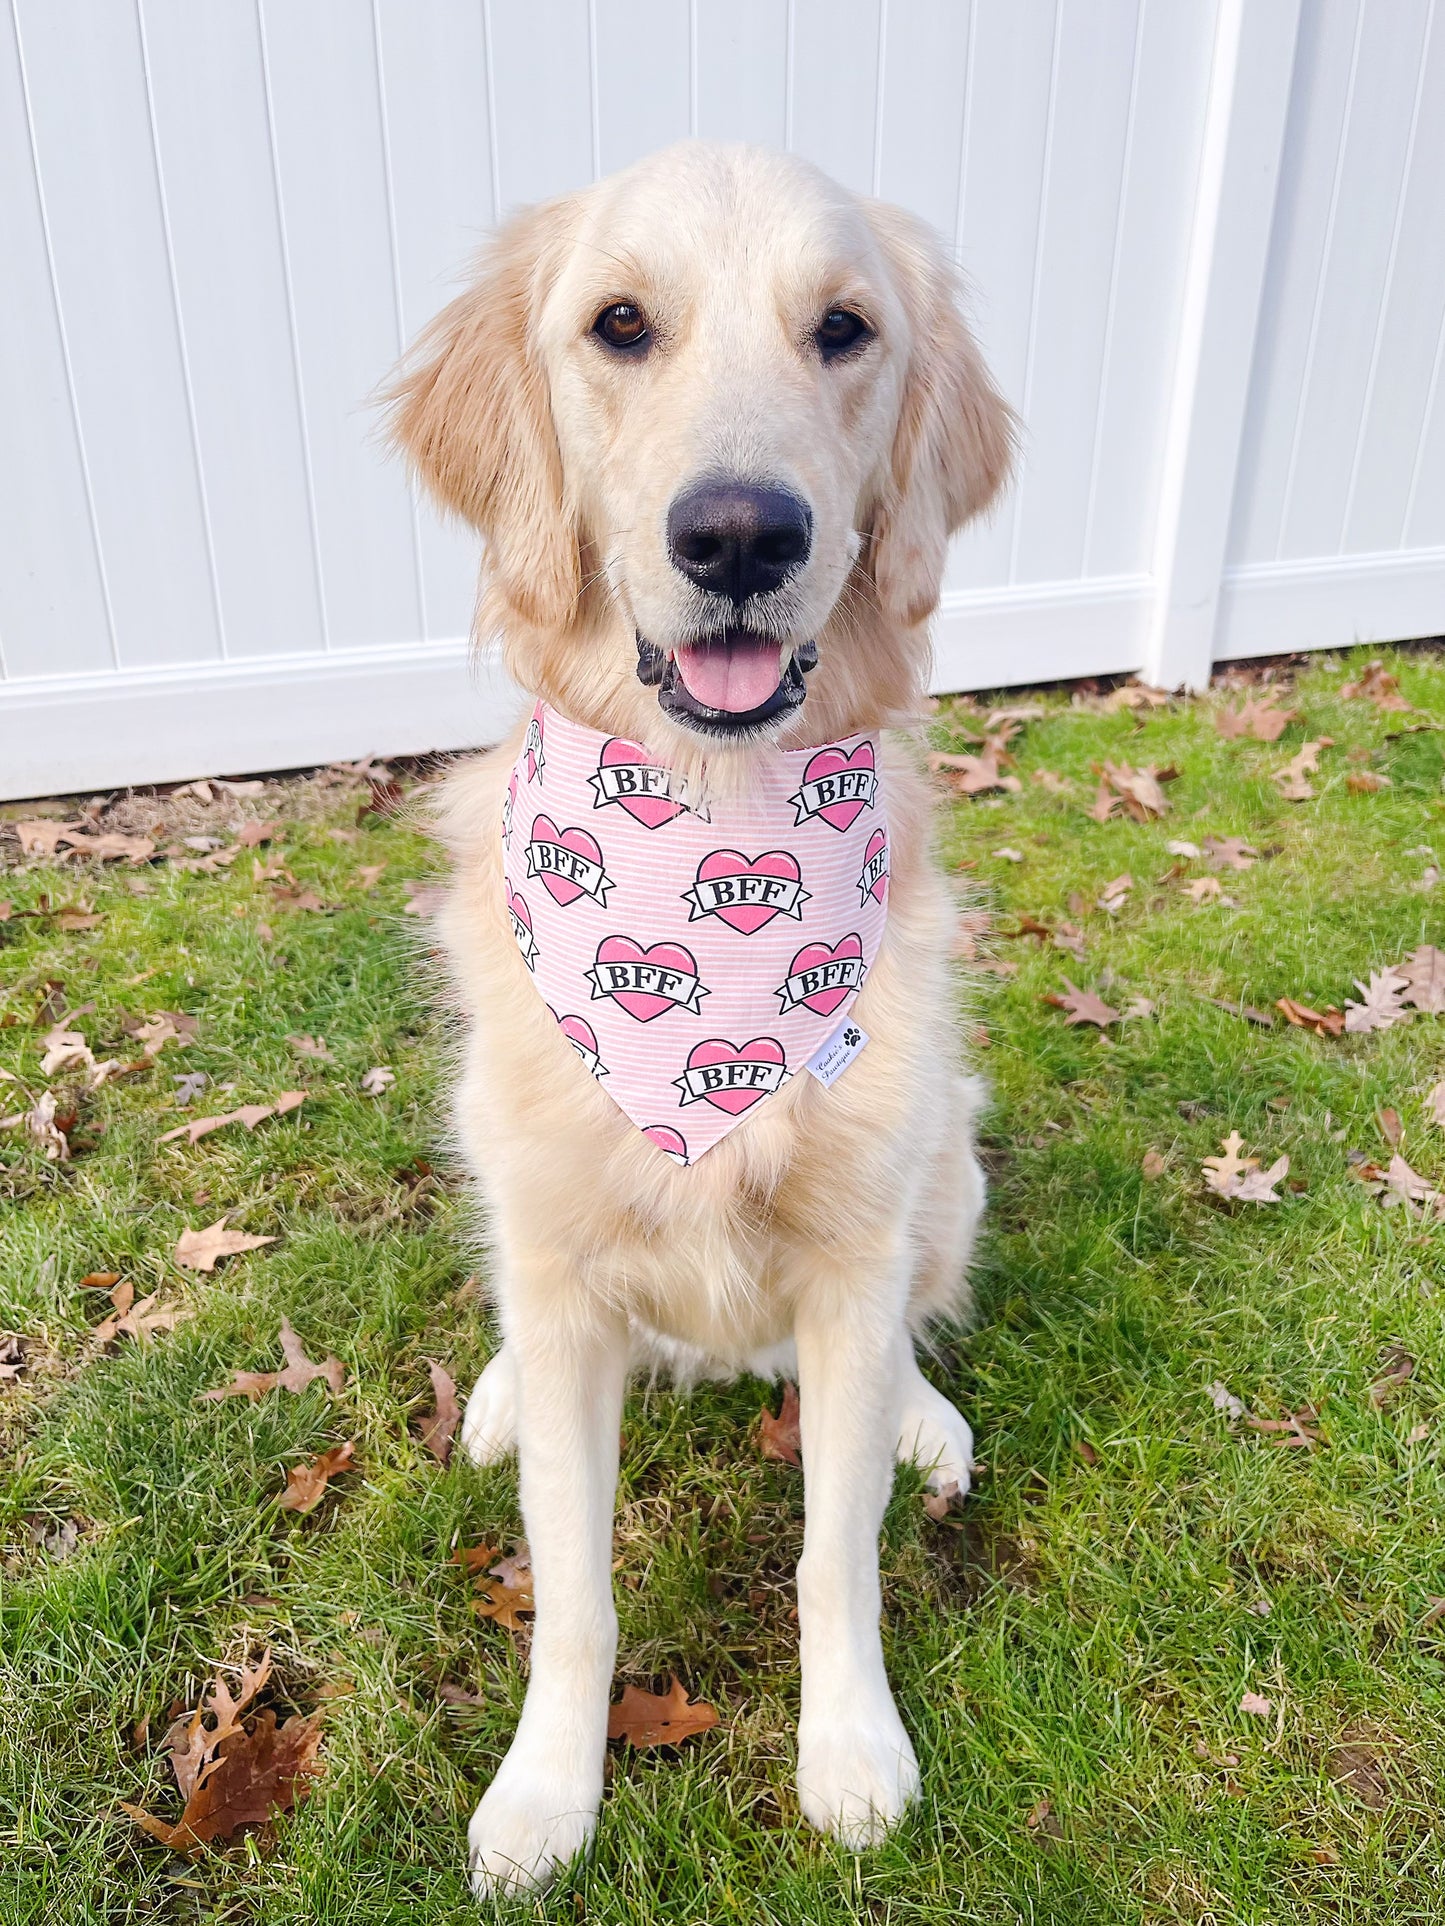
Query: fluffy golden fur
{"x": 830, "y": 1225}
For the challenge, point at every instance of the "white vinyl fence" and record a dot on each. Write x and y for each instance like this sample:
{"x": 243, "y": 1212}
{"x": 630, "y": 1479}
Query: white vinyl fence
{"x": 1206, "y": 239}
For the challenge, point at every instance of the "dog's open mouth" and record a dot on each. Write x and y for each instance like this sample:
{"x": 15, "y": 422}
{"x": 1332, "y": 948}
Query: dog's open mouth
{"x": 726, "y": 683}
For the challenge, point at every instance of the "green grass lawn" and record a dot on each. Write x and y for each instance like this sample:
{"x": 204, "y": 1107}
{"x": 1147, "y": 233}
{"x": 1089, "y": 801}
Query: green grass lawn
{"x": 1133, "y": 1562}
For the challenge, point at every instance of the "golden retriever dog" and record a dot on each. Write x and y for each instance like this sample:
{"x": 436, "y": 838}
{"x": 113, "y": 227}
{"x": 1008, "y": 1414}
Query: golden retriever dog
{"x": 716, "y": 419}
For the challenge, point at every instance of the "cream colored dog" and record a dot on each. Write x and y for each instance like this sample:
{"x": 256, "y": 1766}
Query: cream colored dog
{"x": 722, "y": 323}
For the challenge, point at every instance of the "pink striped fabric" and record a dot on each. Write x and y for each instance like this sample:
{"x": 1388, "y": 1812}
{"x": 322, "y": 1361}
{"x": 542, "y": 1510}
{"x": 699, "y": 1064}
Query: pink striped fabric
{"x": 695, "y": 955}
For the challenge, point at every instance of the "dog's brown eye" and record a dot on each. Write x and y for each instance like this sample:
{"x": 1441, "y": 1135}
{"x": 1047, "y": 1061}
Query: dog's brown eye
{"x": 838, "y": 331}
{"x": 622, "y": 326}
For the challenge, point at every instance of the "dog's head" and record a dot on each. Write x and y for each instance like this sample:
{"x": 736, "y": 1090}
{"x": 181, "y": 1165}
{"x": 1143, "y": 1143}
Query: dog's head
{"x": 715, "y": 418}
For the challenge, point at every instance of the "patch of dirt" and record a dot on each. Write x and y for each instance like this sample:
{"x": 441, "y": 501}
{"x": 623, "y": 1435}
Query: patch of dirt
{"x": 1360, "y": 1763}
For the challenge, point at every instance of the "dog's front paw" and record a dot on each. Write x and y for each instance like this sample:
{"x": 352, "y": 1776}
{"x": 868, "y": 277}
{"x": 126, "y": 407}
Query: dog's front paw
{"x": 855, "y": 1779}
{"x": 489, "y": 1423}
{"x": 529, "y": 1824}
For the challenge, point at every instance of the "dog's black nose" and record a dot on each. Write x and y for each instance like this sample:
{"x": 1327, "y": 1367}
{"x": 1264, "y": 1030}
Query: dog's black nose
{"x": 738, "y": 540}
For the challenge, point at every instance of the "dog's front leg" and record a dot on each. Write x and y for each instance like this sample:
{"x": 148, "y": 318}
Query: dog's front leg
{"x": 856, "y": 1767}
{"x": 541, "y": 1808}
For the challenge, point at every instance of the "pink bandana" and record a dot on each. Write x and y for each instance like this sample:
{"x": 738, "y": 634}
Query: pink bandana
{"x": 695, "y": 957}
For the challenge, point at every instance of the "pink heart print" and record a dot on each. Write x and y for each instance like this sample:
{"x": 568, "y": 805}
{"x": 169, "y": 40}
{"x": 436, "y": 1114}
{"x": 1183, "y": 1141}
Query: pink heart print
{"x": 652, "y": 811}
{"x": 843, "y": 813}
{"x": 874, "y": 880}
{"x": 536, "y": 744}
{"x": 643, "y": 1004}
{"x": 717, "y": 1050}
{"x": 521, "y": 920}
{"x": 562, "y": 889}
{"x": 726, "y": 863}
{"x": 577, "y": 1030}
{"x": 817, "y": 956}
{"x": 670, "y": 1142}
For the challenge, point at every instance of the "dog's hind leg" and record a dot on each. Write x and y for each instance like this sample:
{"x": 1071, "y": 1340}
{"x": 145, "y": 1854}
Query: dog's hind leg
{"x": 931, "y": 1433}
{"x": 489, "y": 1423}
{"x": 569, "y": 1368}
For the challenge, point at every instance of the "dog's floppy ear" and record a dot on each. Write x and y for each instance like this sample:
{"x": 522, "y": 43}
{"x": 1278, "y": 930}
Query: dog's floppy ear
{"x": 954, "y": 443}
{"x": 472, "y": 412}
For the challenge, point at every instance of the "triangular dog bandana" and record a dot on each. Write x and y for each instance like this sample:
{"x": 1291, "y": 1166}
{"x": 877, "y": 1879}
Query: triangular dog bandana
{"x": 695, "y": 954}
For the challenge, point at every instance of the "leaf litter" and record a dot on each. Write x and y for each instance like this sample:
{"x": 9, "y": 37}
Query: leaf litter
{"x": 298, "y": 1373}
{"x": 1240, "y": 1178}
{"x": 644, "y": 1719}
{"x": 241, "y": 1770}
{"x": 306, "y": 1484}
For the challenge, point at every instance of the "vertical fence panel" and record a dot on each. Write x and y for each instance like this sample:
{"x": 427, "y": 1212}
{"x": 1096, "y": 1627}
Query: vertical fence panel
{"x": 433, "y": 62}
{"x": 542, "y": 96}
{"x": 1092, "y": 93}
{"x": 335, "y": 201}
{"x": 643, "y": 79}
{"x": 53, "y": 612}
{"x": 208, "y": 103}
{"x": 108, "y": 240}
{"x": 740, "y": 70}
{"x": 1412, "y": 319}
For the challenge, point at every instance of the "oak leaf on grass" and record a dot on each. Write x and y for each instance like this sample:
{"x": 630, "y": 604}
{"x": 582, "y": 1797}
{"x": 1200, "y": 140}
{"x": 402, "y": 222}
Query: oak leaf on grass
{"x": 249, "y": 1114}
{"x": 306, "y": 1484}
{"x": 131, "y": 1319}
{"x": 201, "y": 1250}
{"x": 781, "y": 1437}
{"x": 1424, "y": 974}
{"x": 1435, "y": 1105}
{"x": 1381, "y": 1005}
{"x": 1293, "y": 779}
{"x": 1324, "y": 1023}
{"x": 1139, "y": 792}
{"x": 1229, "y": 852}
{"x": 299, "y": 1371}
{"x": 504, "y": 1585}
{"x": 1258, "y": 717}
{"x": 311, "y": 1047}
{"x": 658, "y": 1718}
{"x": 1240, "y": 1178}
{"x": 1082, "y": 1006}
{"x": 241, "y": 1771}
{"x": 438, "y": 1428}
{"x": 1377, "y": 685}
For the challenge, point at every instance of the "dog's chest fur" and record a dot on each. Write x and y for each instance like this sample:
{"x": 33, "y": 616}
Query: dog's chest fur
{"x": 712, "y": 1256}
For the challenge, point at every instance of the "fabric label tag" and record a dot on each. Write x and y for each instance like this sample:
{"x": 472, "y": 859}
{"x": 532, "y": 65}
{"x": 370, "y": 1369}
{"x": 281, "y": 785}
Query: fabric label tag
{"x": 829, "y": 1063}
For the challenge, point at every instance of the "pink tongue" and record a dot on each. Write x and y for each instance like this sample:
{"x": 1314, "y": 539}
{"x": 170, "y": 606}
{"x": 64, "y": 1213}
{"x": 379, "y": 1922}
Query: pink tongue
{"x": 735, "y": 676}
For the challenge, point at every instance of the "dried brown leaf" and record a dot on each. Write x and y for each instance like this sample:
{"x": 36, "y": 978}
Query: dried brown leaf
{"x": 1257, "y": 717}
{"x": 306, "y": 1484}
{"x": 249, "y": 1114}
{"x": 1229, "y": 852}
{"x": 1377, "y": 685}
{"x": 200, "y": 1250}
{"x": 255, "y": 1774}
{"x": 1424, "y": 973}
{"x": 781, "y": 1437}
{"x": 437, "y": 1430}
{"x": 1381, "y": 1005}
{"x": 1324, "y": 1023}
{"x": 1240, "y": 1178}
{"x": 1083, "y": 1006}
{"x": 658, "y": 1718}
